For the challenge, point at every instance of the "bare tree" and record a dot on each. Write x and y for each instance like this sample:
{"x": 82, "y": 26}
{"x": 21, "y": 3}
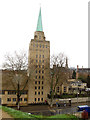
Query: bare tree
{"x": 16, "y": 64}
{"x": 58, "y": 73}
{"x": 17, "y": 61}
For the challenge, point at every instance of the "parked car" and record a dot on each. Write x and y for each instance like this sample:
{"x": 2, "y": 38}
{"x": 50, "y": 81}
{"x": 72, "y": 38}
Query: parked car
{"x": 84, "y": 107}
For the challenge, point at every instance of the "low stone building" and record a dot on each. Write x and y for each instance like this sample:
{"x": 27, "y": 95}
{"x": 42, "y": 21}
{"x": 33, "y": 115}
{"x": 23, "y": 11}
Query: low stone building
{"x": 76, "y": 86}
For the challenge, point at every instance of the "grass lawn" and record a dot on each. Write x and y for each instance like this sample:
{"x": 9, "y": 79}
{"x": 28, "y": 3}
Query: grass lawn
{"x": 25, "y": 116}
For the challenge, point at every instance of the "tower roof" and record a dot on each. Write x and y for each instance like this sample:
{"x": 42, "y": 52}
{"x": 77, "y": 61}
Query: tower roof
{"x": 39, "y": 23}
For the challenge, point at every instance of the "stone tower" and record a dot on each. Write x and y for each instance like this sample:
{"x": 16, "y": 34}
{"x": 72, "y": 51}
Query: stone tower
{"x": 38, "y": 65}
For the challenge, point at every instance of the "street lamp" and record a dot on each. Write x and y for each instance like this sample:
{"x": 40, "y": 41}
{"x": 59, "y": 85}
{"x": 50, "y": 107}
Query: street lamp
{"x": 77, "y": 97}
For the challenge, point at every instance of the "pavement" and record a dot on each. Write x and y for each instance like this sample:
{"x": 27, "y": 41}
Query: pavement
{"x": 5, "y": 115}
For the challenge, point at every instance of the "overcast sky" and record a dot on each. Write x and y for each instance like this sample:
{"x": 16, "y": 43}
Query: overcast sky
{"x": 65, "y": 24}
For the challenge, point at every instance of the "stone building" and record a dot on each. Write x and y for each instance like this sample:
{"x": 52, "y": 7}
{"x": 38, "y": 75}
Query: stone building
{"x": 38, "y": 65}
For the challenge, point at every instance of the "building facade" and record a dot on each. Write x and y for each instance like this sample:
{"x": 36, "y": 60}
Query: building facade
{"x": 38, "y": 65}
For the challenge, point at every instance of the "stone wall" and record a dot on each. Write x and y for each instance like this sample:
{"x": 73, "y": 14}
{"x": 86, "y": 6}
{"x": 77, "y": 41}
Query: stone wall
{"x": 73, "y": 100}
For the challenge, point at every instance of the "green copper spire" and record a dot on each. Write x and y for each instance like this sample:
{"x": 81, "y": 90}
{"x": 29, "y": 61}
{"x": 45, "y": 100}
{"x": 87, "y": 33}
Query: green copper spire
{"x": 39, "y": 24}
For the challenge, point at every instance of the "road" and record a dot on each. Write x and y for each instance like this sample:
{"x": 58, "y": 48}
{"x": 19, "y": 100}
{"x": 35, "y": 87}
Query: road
{"x": 46, "y": 110}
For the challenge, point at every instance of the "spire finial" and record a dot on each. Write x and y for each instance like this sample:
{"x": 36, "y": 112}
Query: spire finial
{"x": 39, "y": 24}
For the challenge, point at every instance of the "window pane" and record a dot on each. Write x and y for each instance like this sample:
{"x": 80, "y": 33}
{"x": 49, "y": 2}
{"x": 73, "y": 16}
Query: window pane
{"x": 42, "y": 77}
{"x": 35, "y": 87}
{"x": 38, "y": 99}
{"x": 8, "y": 99}
{"x": 41, "y": 99}
{"x": 14, "y": 99}
{"x": 42, "y": 71}
{"x": 35, "y": 92}
{"x": 25, "y": 99}
{"x": 42, "y": 66}
{"x": 35, "y": 82}
{"x": 39, "y": 56}
{"x": 35, "y": 99}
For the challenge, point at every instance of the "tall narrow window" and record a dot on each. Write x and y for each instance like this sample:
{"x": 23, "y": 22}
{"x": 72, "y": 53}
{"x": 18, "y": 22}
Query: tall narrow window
{"x": 39, "y": 56}
{"x": 35, "y": 82}
{"x": 36, "y": 56}
{"x": 38, "y": 87}
{"x": 35, "y": 87}
{"x": 35, "y": 92}
{"x": 35, "y": 99}
{"x": 25, "y": 99}
{"x": 42, "y": 71}
{"x": 42, "y": 66}
{"x": 41, "y": 99}
{"x": 43, "y": 56}
{"x": 8, "y": 99}
{"x": 39, "y": 71}
{"x": 39, "y": 77}
{"x": 14, "y": 99}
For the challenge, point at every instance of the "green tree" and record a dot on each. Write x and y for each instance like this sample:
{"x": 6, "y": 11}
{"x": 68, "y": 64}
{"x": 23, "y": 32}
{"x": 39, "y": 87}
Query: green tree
{"x": 88, "y": 81}
{"x": 74, "y": 75}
